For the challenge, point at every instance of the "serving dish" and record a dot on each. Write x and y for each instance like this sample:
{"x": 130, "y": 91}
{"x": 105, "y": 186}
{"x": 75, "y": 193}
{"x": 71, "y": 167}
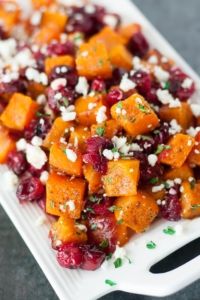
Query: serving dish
{"x": 133, "y": 277}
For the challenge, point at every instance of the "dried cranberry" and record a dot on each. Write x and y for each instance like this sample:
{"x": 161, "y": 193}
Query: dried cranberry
{"x": 138, "y": 45}
{"x": 143, "y": 81}
{"x": 92, "y": 257}
{"x": 57, "y": 48}
{"x": 13, "y": 86}
{"x": 116, "y": 78}
{"x": 17, "y": 162}
{"x": 70, "y": 256}
{"x": 115, "y": 95}
{"x": 67, "y": 96}
{"x": 30, "y": 189}
{"x": 98, "y": 85}
{"x": 176, "y": 80}
{"x": 2, "y": 106}
{"x": 3, "y": 34}
{"x": 65, "y": 72}
{"x": 171, "y": 210}
{"x": 39, "y": 58}
{"x": 161, "y": 135}
{"x": 103, "y": 207}
{"x": 36, "y": 172}
{"x": 38, "y": 127}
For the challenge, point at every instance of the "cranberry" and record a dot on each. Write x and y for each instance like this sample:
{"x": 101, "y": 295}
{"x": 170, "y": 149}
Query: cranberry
{"x": 17, "y": 162}
{"x": 2, "y": 106}
{"x": 143, "y": 81}
{"x": 67, "y": 96}
{"x": 70, "y": 256}
{"x": 98, "y": 85}
{"x": 138, "y": 45}
{"x": 92, "y": 257}
{"x": 36, "y": 172}
{"x": 161, "y": 135}
{"x": 38, "y": 127}
{"x": 115, "y": 95}
{"x": 102, "y": 208}
{"x": 176, "y": 80}
{"x": 171, "y": 210}
{"x": 30, "y": 189}
{"x": 3, "y": 34}
{"x": 39, "y": 58}
{"x": 116, "y": 78}
{"x": 57, "y": 48}
{"x": 67, "y": 72}
{"x": 13, "y": 86}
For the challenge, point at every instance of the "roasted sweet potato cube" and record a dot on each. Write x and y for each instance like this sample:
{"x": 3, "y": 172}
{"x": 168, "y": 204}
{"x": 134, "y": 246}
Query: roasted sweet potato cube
{"x": 41, "y": 3}
{"x": 120, "y": 57}
{"x": 65, "y": 230}
{"x": 135, "y": 115}
{"x": 65, "y": 195}
{"x": 66, "y": 159}
{"x": 194, "y": 156}
{"x": 123, "y": 234}
{"x": 93, "y": 178}
{"x": 93, "y": 60}
{"x": 136, "y": 212}
{"x": 47, "y": 34}
{"x": 63, "y": 60}
{"x": 190, "y": 199}
{"x": 35, "y": 89}
{"x": 79, "y": 136}
{"x": 108, "y": 37}
{"x": 121, "y": 178}
{"x": 9, "y": 17}
{"x": 184, "y": 172}
{"x": 183, "y": 115}
{"x": 107, "y": 129}
{"x": 179, "y": 147}
{"x": 19, "y": 112}
{"x": 53, "y": 17}
{"x": 87, "y": 107}
{"x": 127, "y": 31}
{"x": 58, "y": 130}
{"x": 7, "y": 144}
{"x": 155, "y": 195}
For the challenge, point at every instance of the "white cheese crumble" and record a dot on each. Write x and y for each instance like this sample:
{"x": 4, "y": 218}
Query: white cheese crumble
{"x": 160, "y": 74}
{"x": 174, "y": 127}
{"x": 71, "y": 205}
{"x": 101, "y": 114}
{"x": 91, "y": 105}
{"x": 110, "y": 20}
{"x": 108, "y": 154}
{"x": 135, "y": 147}
{"x": 36, "y": 76}
{"x": 187, "y": 83}
{"x": 158, "y": 188}
{"x": 90, "y": 9}
{"x": 82, "y": 86}
{"x": 119, "y": 142}
{"x": 36, "y": 141}
{"x": 166, "y": 98}
{"x": 68, "y": 114}
{"x": 44, "y": 177}
{"x": 36, "y": 18}
{"x": 11, "y": 179}
{"x": 152, "y": 159}
{"x": 193, "y": 131}
{"x": 81, "y": 227}
{"x": 126, "y": 84}
{"x": 195, "y": 109}
{"x": 21, "y": 145}
{"x": 35, "y": 156}
{"x": 71, "y": 155}
{"x": 57, "y": 83}
{"x": 153, "y": 60}
{"x": 41, "y": 99}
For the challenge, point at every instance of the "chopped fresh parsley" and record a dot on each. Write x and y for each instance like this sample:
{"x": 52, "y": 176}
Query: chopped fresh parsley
{"x": 195, "y": 206}
{"x": 119, "y": 222}
{"x": 154, "y": 180}
{"x": 109, "y": 256}
{"x": 114, "y": 149}
{"x": 169, "y": 230}
{"x": 110, "y": 282}
{"x": 39, "y": 114}
{"x": 114, "y": 208}
{"x": 104, "y": 244}
{"x": 151, "y": 245}
{"x": 89, "y": 209}
{"x": 143, "y": 108}
{"x": 161, "y": 148}
{"x": 95, "y": 199}
{"x": 100, "y": 131}
{"x": 119, "y": 104}
{"x": 118, "y": 263}
{"x": 192, "y": 184}
{"x": 93, "y": 226}
{"x": 166, "y": 86}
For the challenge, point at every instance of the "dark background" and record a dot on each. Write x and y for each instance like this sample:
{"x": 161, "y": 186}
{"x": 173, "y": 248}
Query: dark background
{"x": 20, "y": 275}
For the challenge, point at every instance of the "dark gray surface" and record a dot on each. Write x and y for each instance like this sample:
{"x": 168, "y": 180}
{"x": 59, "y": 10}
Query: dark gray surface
{"x": 20, "y": 276}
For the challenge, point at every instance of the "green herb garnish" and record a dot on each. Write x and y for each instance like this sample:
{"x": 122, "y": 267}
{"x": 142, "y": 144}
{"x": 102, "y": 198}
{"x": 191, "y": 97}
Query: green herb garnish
{"x": 100, "y": 131}
{"x": 114, "y": 149}
{"x": 109, "y": 256}
{"x": 114, "y": 208}
{"x": 192, "y": 184}
{"x": 110, "y": 282}
{"x": 104, "y": 244}
{"x": 154, "y": 180}
{"x": 39, "y": 114}
{"x": 89, "y": 209}
{"x": 118, "y": 263}
{"x": 119, "y": 104}
{"x": 151, "y": 245}
{"x": 161, "y": 148}
{"x": 195, "y": 206}
{"x": 95, "y": 199}
{"x": 169, "y": 230}
{"x": 93, "y": 226}
{"x": 143, "y": 108}
{"x": 166, "y": 86}
{"x": 119, "y": 222}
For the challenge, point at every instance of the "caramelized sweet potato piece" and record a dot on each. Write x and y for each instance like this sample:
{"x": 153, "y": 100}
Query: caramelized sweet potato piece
{"x": 79, "y": 136}
{"x": 41, "y": 3}
{"x": 19, "y": 112}
{"x": 184, "y": 172}
{"x": 156, "y": 196}
{"x": 123, "y": 234}
{"x": 7, "y": 144}
{"x": 180, "y": 146}
{"x": 136, "y": 212}
{"x": 108, "y": 129}
{"x": 53, "y": 17}
{"x": 127, "y": 31}
{"x": 190, "y": 200}
{"x": 120, "y": 57}
{"x": 47, "y": 34}
{"x": 65, "y": 159}
{"x": 64, "y": 60}
{"x": 194, "y": 156}
{"x": 58, "y": 130}
{"x": 9, "y": 17}
{"x": 183, "y": 115}
{"x": 135, "y": 115}
{"x": 65, "y": 196}
{"x": 65, "y": 230}
{"x": 93, "y": 178}
{"x": 93, "y": 60}
{"x": 121, "y": 178}
{"x": 35, "y": 89}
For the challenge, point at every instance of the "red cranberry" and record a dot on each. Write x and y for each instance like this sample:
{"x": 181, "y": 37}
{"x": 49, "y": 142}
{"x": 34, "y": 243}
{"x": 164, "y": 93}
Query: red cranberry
{"x": 30, "y": 189}
{"x": 3, "y": 34}
{"x": 92, "y": 257}
{"x": 176, "y": 80}
{"x": 143, "y": 81}
{"x": 103, "y": 207}
{"x": 39, "y": 58}
{"x": 67, "y": 96}
{"x": 171, "y": 210}
{"x": 67, "y": 72}
{"x": 57, "y": 48}
{"x": 115, "y": 95}
{"x": 116, "y": 78}
{"x": 36, "y": 172}
{"x": 38, "y": 127}
{"x": 13, "y": 86}
{"x": 161, "y": 135}
{"x": 98, "y": 85}
{"x": 70, "y": 256}
{"x": 138, "y": 45}
{"x": 17, "y": 162}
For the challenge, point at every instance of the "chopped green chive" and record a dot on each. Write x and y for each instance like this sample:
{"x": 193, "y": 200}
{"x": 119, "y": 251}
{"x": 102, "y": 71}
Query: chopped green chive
{"x": 93, "y": 226}
{"x": 104, "y": 244}
{"x": 195, "y": 206}
{"x": 110, "y": 282}
{"x": 114, "y": 208}
{"x": 109, "y": 256}
{"x": 114, "y": 149}
{"x": 100, "y": 131}
{"x": 143, "y": 108}
{"x": 151, "y": 245}
{"x": 95, "y": 199}
{"x": 89, "y": 209}
{"x": 161, "y": 148}
{"x": 39, "y": 114}
{"x": 169, "y": 230}
{"x": 119, "y": 104}
{"x": 118, "y": 263}
{"x": 166, "y": 85}
{"x": 154, "y": 180}
{"x": 119, "y": 222}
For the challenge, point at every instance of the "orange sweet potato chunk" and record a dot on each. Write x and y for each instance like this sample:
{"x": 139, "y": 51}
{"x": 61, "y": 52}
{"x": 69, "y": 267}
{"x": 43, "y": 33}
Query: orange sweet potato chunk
{"x": 135, "y": 115}
{"x": 183, "y": 115}
{"x": 123, "y": 234}
{"x": 35, "y": 89}
{"x": 47, "y": 34}
{"x": 7, "y": 144}
{"x": 121, "y": 178}
{"x": 136, "y": 212}
{"x": 179, "y": 146}
{"x": 184, "y": 172}
{"x": 19, "y": 112}
{"x": 93, "y": 60}
{"x": 65, "y": 230}
{"x": 62, "y": 161}
{"x": 120, "y": 57}
{"x": 63, "y": 60}
{"x": 93, "y": 178}
{"x": 9, "y": 18}
{"x": 190, "y": 200}
{"x": 52, "y": 17}
{"x": 127, "y": 31}
{"x": 79, "y": 136}
{"x": 41, "y": 3}
{"x": 65, "y": 195}
{"x": 87, "y": 107}
{"x": 58, "y": 130}
{"x": 194, "y": 157}
{"x": 107, "y": 129}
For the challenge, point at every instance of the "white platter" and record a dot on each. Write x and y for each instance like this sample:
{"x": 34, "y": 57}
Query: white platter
{"x": 135, "y": 277}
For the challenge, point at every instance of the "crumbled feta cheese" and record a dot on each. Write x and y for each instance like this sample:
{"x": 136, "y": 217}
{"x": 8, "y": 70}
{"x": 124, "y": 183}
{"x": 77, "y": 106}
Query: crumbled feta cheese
{"x": 187, "y": 83}
{"x": 58, "y": 96}
{"x": 158, "y": 188}
{"x": 21, "y": 145}
{"x": 82, "y": 86}
{"x": 177, "y": 180}
{"x": 166, "y": 98}
{"x": 71, "y": 205}
{"x": 81, "y": 227}
{"x": 164, "y": 59}
{"x": 172, "y": 191}
{"x": 196, "y": 151}
{"x": 92, "y": 105}
{"x": 11, "y": 179}
{"x": 36, "y": 141}
{"x": 170, "y": 183}
{"x": 159, "y": 201}
{"x": 153, "y": 60}
{"x": 135, "y": 147}
{"x": 174, "y": 127}
{"x": 71, "y": 155}
{"x": 40, "y": 221}
{"x": 36, "y": 18}
{"x": 35, "y": 156}
{"x": 195, "y": 109}
{"x": 193, "y": 131}
{"x": 90, "y": 9}
{"x": 101, "y": 114}
{"x": 152, "y": 159}
{"x": 57, "y": 83}
{"x": 108, "y": 154}
{"x": 41, "y": 99}
{"x": 126, "y": 84}
{"x": 119, "y": 142}
{"x": 68, "y": 114}
{"x": 181, "y": 189}
{"x": 124, "y": 112}
{"x": 84, "y": 53}
{"x": 44, "y": 177}
{"x": 110, "y": 20}
{"x": 160, "y": 74}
